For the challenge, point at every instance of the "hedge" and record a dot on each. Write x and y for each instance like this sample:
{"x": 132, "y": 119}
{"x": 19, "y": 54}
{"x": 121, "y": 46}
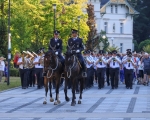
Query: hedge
{"x": 14, "y": 72}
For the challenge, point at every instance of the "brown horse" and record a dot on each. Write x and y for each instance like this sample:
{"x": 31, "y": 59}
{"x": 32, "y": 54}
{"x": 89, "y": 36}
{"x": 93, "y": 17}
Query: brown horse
{"x": 73, "y": 72}
{"x": 52, "y": 71}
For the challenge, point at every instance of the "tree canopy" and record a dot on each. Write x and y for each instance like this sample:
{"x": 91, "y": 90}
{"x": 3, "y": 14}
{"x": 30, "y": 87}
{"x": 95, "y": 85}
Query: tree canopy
{"x": 32, "y": 21}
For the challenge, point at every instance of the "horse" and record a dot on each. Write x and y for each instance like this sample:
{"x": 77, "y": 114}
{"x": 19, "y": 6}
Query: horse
{"x": 73, "y": 72}
{"x": 52, "y": 71}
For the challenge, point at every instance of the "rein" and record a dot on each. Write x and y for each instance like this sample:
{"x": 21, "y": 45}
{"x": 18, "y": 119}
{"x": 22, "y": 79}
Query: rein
{"x": 52, "y": 69}
{"x": 70, "y": 68}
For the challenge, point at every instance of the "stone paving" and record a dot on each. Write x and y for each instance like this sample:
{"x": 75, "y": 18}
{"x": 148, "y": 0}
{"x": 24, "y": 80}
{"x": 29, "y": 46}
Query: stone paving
{"x": 104, "y": 104}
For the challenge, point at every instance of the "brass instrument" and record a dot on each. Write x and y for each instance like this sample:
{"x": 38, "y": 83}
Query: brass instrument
{"x": 30, "y": 60}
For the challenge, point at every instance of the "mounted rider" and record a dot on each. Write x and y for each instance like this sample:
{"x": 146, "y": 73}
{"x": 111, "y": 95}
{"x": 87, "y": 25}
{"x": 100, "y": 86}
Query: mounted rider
{"x": 56, "y": 46}
{"x": 75, "y": 46}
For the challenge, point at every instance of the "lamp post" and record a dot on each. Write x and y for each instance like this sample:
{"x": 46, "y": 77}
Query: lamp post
{"x": 112, "y": 39}
{"x": 104, "y": 37}
{"x": 78, "y": 26}
{"x": 9, "y": 43}
{"x": 54, "y": 8}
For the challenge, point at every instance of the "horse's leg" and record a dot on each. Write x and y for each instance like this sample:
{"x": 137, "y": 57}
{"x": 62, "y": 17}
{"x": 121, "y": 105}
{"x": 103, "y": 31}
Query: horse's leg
{"x": 65, "y": 89}
{"x": 73, "y": 92}
{"x": 46, "y": 89}
{"x": 50, "y": 89}
{"x": 81, "y": 89}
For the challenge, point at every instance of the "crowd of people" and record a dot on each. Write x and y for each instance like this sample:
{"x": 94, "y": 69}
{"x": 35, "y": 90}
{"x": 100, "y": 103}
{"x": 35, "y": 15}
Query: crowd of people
{"x": 112, "y": 67}
{"x": 100, "y": 67}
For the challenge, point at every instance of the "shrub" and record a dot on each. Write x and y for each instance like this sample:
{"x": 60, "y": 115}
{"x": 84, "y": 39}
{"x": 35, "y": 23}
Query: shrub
{"x": 14, "y": 72}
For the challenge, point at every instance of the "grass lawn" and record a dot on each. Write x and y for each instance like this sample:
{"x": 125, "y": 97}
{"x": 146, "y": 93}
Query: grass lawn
{"x": 14, "y": 82}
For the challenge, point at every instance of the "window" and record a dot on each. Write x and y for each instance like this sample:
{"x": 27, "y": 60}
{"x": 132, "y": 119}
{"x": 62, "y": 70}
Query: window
{"x": 121, "y": 28}
{"x": 111, "y": 8}
{"x": 105, "y": 26}
{"x": 114, "y": 27}
{"x": 116, "y": 9}
{"x": 121, "y": 47}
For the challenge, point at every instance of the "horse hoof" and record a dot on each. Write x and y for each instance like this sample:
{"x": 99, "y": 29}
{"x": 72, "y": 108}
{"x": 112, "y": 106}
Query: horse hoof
{"x": 79, "y": 102}
{"x": 67, "y": 99}
{"x": 55, "y": 103}
{"x": 73, "y": 103}
{"x": 51, "y": 100}
{"x": 44, "y": 102}
{"x": 58, "y": 101}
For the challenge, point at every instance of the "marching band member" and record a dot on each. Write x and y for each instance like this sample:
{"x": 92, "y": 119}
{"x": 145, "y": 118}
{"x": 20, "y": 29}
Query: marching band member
{"x": 38, "y": 70}
{"x": 89, "y": 66}
{"x": 22, "y": 70}
{"x": 114, "y": 63}
{"x": 129, "y": 65}
{"x": 95, "y": 59}
{"x": 101, "y": 68}
{"x": 109, "y": 55}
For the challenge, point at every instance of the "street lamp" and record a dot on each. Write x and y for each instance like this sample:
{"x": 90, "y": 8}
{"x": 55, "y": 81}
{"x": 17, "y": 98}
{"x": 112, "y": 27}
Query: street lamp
{"x": 104, "y": 37}
{"x": 9, "y": 43}
{"x": 112, "y": 39}
{"x": 78, "y": 26}
{"x": 54, "y": 8}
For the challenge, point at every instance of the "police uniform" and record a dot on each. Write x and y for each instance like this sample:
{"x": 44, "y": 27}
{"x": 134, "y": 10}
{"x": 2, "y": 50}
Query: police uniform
{"x": 101, "y": 69}
{"x": 129, "y": 69}
{"x": 56, "y": 46}
{"x": 75, "y": 46}
{"x": 114, "y": 63}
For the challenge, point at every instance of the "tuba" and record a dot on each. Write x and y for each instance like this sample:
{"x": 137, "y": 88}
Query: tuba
{"x": 30, "y": 60}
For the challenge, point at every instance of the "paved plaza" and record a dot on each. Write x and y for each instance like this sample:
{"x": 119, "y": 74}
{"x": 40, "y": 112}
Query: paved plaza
{"x": 104, "y": 104}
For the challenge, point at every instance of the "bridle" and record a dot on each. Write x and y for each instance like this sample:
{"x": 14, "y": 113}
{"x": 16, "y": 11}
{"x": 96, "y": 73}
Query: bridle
{"x": 71, "y": 67}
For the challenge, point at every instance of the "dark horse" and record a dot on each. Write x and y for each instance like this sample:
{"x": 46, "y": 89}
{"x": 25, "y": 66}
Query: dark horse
{"x": 73, "y": 72}
{"x": 52, "y": 70}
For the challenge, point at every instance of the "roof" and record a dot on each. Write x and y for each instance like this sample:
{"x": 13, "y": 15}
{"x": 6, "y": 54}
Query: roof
{"x": 105, "y": 3}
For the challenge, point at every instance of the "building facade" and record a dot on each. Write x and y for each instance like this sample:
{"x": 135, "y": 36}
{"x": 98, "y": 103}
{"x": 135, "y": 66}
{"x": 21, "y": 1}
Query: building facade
{"x": 116, "y": 18}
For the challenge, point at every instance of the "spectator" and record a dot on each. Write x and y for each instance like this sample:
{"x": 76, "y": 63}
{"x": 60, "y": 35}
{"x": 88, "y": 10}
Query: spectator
{"x": 6, "y": 71}
{"x": 2, "y": 67}
{"x": 16, "y": 57}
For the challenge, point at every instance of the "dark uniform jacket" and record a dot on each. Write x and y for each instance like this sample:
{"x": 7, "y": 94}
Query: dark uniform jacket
{"x": 56, "y": 45}
{"x": 74, "y": 45}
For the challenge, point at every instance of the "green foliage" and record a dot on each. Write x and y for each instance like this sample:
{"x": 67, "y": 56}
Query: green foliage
{"x": 32, "y": 22}
{"x": 143, "y": 44}
{"x": 141, "y": 25}
{"x": 14, "y": 72}
{"x": 136, "y": 46}
{"x": 147, "y": 48}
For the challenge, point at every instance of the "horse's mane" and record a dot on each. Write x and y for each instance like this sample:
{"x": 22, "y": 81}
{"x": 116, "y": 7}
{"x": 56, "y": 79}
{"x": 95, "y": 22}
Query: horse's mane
{"x": 49, "y": 52}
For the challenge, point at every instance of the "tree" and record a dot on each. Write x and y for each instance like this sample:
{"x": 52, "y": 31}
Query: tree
{"x": 147, "y": 48}
{"x": 32, "y": 22}
{"x": 143, "y": 44}
{"x": 92, "y": 40}
{"x": 3, "y": 31}
{"x": 141, "y": 29}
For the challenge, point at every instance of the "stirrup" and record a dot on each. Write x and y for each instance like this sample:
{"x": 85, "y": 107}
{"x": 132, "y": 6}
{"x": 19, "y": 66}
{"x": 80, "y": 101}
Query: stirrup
{"x": 84, "y": 74}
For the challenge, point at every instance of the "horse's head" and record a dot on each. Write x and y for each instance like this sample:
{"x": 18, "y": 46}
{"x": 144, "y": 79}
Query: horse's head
{"x": 49, "y": 60}
{"x": 69, "y": 60}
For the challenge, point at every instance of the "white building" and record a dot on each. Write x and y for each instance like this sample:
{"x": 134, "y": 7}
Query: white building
{"x": 116, "y": 18}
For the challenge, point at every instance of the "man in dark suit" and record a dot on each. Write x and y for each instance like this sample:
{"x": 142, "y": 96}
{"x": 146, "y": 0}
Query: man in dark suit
{"x": 75, "y": 45}
{"x": 56, "y": 45}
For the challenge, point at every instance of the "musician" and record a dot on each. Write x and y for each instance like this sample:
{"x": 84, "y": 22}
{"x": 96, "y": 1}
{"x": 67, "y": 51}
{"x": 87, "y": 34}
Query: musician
{"x": 129, "y": 65}
{"x": 22, "y": 70}
{"x": 109, "y": 55}
{"x": 56, "y": 45}
{"x": 38, "y": 70}
{"x": 114, "y": 63}
{"x": 101, "y": 68}
{"x": 89, "y": 66}
{"x": 75, "y": 45}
